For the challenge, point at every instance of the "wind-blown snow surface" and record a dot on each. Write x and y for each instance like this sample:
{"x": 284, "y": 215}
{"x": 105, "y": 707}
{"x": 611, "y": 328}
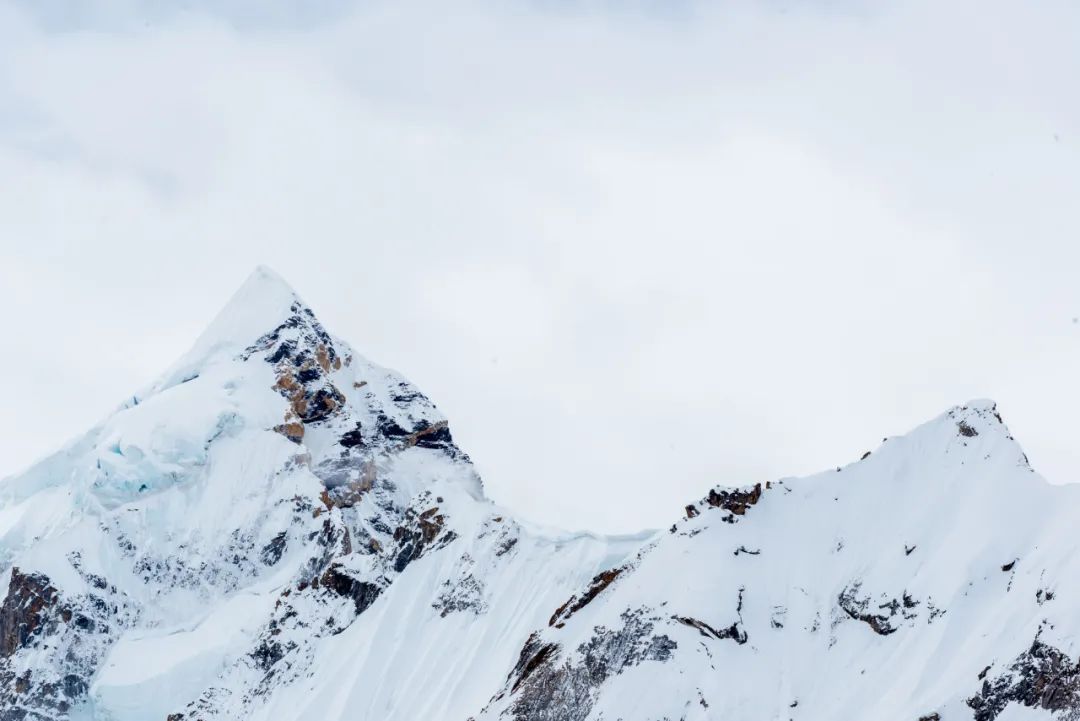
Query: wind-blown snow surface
{"x": 281, "y": 530}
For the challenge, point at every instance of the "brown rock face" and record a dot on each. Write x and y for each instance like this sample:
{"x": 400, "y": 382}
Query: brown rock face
{"x": 735, "y": 501}
{"x": 51, "y": 643}
{"x": 293, "y": 431}
{"x": 601, "y": 581}
{"x": 309, "y": 401}
{"x": 304, "y": 358}
{"x": 424, "y": 436}
{"x": 25, "y": 610}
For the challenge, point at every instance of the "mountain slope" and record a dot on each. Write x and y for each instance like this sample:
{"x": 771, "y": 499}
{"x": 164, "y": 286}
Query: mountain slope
{"x": 935, "y": 576}
{"x": 278, "y": 529}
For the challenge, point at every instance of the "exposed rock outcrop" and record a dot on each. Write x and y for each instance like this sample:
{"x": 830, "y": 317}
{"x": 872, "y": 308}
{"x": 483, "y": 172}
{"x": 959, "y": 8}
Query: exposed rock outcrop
{"x": 31, "y": 608}
{"x": 575, "y": 603}
{"x": 552, "y": 686}
{"x": 1042, "y": 677}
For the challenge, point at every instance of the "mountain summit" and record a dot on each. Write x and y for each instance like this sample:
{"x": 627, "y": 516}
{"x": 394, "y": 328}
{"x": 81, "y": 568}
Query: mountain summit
{"x": 263, "y": 301}
{"x": 280, "y": 530}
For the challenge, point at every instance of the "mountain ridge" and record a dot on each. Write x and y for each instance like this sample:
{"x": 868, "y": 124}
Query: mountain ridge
{"x": 278, "y": 528}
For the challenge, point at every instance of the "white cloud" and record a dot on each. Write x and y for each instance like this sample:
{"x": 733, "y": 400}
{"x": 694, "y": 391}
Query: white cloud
{"x": 630, "y": 252}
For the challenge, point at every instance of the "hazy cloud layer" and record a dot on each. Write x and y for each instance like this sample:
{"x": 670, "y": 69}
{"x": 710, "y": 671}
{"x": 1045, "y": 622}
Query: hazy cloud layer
{"x": 632, "y": 250}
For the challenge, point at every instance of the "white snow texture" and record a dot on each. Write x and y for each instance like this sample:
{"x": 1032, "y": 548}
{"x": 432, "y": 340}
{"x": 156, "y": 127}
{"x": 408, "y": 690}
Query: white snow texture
{"x": 280, "y": 530}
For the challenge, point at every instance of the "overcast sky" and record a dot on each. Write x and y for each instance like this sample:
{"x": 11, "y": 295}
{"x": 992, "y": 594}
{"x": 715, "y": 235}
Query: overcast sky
{"x": 632, "y": 249}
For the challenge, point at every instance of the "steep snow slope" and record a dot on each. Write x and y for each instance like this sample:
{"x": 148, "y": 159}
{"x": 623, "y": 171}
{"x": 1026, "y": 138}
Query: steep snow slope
{"x": 281, "y": 530}
{"x": 212, "y": 541}
{"x": 936, "y": 576}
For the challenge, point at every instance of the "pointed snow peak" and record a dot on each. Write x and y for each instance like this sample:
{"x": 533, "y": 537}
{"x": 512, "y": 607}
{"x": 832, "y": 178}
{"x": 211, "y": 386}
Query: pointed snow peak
{"x": 264, "y": 284}
{"x": 263, "y": 303}
{"x": 975, "y": 424}
{"x": 975, "y": 421}
{"x": 975, "y": 416}
{"x": 972, "y": 432}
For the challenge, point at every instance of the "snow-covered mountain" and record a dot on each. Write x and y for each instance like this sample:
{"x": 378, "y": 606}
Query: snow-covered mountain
{"x": 278, "y": 529}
